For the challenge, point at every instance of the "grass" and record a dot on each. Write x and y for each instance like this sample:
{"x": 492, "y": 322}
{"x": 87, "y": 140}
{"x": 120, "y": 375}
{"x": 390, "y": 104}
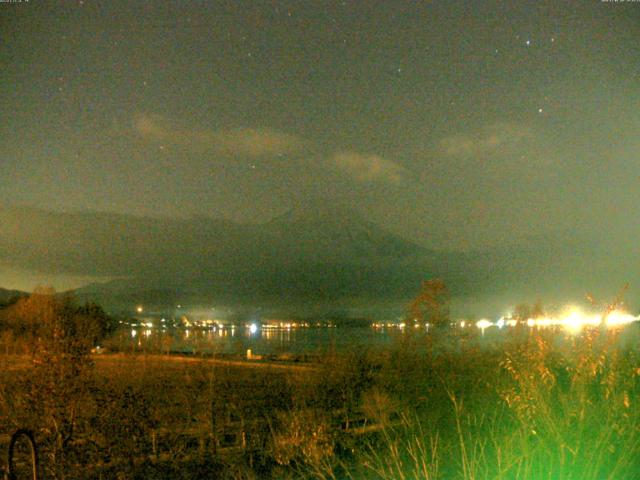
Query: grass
{"x": 541, "y": 405}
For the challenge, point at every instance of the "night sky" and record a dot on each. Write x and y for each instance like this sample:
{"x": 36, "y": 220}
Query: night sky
{"x": 458, "y": 125}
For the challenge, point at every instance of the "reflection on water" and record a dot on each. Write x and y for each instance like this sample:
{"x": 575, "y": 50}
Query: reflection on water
{"x": 310, "y": 340}
{"x": 268, "y": 341}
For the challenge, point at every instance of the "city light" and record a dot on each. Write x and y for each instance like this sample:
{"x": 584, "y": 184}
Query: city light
{"x": 484, "y": 323}
{"x": 573, "y": 320}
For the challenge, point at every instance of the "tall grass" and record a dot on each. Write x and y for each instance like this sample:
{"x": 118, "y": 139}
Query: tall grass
{"x": 542, "y": 405}
{"x": 549, "y": 407}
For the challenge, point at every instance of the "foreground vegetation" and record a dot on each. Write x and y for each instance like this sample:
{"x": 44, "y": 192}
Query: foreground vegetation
{"x": 541, "y": 405}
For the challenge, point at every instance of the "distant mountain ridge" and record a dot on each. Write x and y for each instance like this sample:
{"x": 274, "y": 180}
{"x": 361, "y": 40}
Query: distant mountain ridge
{"x": 343, "y": 234}
{"x": 324, "y": 255}
{"x": 307, "y": 255}
{"x": 302, "y": 256}
{"x": 6, "y": 295}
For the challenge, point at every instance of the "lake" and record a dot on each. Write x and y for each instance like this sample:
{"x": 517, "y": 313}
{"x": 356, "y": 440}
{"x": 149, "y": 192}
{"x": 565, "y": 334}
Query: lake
{"x": 317, "y": 340}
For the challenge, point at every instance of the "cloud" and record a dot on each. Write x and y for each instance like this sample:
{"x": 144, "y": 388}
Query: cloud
{"x": 153, "y": 127}
{"x": 257, "y": 142}
{"x": 498, "y": 137}
{"x": 252, "y": 142}
{"x": 245, "y": 141}
{"x": 369, "y": 168}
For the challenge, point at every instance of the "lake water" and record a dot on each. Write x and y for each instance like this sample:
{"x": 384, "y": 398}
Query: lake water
{"x": 238, "y": 340}
{"x": 312, "y": 340}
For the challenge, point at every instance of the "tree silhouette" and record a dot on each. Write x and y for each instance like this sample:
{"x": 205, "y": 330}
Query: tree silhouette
{"x": 431, "y": 304}
{"x": 59, "y": 336}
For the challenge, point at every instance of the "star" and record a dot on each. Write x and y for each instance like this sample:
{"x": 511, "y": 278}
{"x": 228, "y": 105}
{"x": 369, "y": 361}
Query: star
{"x": 540, "y": 110}
{"x": 528, "y": 43}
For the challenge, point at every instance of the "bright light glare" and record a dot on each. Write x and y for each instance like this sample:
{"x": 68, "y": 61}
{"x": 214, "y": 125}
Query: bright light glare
{"x": 253, "y": 328}
{"x": 620, "y": 318}
{"x": 573, "y": 320}
{"x": 484, "y": 323}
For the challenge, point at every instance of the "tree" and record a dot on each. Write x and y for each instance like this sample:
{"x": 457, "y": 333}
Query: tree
{"x": 537, "y": 311}
{"x": 59, "y": 335}
{"x": 55, "y": 325}
{"x": 522, "y": 312}
{"x": 431, "y": 304}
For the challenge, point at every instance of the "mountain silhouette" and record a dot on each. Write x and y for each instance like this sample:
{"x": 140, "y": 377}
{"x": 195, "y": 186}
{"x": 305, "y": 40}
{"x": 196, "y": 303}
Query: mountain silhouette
{"x": 307, "y": 255}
